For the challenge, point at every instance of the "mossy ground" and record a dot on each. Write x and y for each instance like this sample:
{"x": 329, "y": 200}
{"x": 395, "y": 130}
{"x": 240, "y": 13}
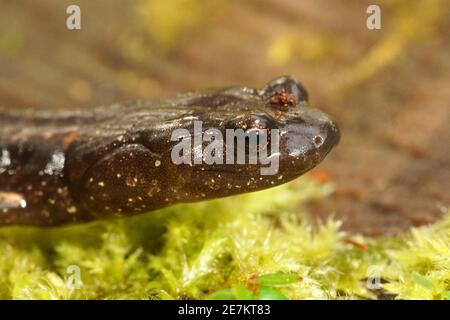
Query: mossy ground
{"x": 256, "y": 245}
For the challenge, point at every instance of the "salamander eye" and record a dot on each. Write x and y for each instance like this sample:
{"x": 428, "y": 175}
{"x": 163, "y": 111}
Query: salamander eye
{"x": 251, "y": 121}
{"x": 285, "y": 84}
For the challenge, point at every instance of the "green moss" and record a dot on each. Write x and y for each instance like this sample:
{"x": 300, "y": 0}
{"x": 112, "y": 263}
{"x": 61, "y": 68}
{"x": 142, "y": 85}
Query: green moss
{"x": 253, "y": 246}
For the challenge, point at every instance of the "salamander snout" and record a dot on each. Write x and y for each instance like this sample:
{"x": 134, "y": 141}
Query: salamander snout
{"x": 327, "y": 134}
{"x": 307, "y": 137}
{"x": 327, "y": 137}
{"x": 324, "y": 132}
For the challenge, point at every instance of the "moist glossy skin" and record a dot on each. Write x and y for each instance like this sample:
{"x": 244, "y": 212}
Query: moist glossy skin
{"x": 58, "y": 168}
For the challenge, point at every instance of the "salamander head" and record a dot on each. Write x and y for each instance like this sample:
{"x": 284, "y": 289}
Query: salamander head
{"x": 306, "y": 135}
{"x": 203, "y": 146}
{"x": 298, "y": 137}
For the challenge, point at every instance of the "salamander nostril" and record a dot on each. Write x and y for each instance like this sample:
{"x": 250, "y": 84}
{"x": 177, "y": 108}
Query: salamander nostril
{"x": 318, "y": 141}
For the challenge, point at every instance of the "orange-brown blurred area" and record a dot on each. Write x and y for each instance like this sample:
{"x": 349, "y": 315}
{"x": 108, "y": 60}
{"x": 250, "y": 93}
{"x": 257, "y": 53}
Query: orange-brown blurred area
{"x": 388, "y": 89}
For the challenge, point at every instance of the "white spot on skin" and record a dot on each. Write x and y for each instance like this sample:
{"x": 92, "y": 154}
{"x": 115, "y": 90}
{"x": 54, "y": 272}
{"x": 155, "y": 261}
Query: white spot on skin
{"x": 130, "y": 182}
{"x": 56, "y": 164}
{"x": 72, "y": 209}
{"x": 118, "y": 176}
{"x": 154, "y": 189}
{"x": 101, "y": 184}
{"x": 157, "y": 163}
{"x": 5, "y": 160}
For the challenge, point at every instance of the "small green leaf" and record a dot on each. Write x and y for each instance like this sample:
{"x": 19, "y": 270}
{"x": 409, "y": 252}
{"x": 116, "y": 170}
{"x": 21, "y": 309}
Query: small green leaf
{"x": 421, "y": 280}
{"x": 268, "y": 293}
{"x": 242, "y": 293}
{"x": 278, "y": 279}
{"x": 224, "y": 294}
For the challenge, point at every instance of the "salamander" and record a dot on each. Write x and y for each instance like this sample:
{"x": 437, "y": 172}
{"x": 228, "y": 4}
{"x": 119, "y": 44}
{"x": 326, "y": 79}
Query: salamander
{"x": 75, "y": 166}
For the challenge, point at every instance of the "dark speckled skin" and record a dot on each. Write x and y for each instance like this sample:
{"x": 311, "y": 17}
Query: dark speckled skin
{"x": 58, "y": 168}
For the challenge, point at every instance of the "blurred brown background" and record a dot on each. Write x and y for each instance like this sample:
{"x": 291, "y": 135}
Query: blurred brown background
{"x": 388, "y": 88}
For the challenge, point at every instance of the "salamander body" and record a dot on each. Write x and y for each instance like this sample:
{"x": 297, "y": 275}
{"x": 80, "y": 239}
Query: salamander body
{"x": 75, "y": 166}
